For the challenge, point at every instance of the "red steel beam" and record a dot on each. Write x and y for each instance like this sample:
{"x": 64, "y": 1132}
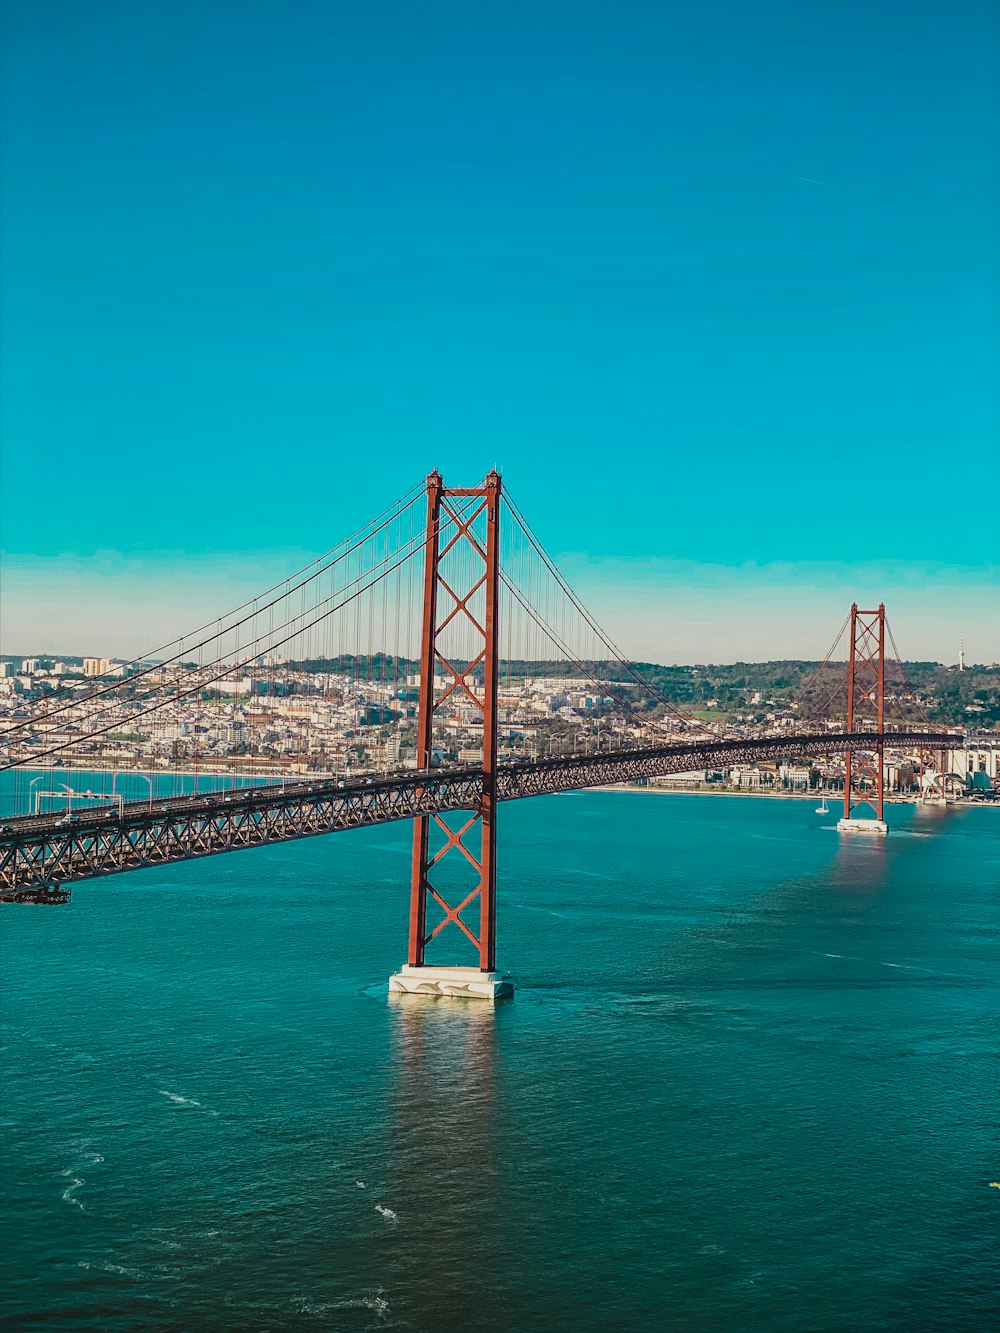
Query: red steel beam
{"x": 425, "y": 718}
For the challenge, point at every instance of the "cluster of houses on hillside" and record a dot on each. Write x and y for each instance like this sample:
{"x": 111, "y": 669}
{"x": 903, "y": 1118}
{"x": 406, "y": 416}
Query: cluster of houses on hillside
{"x": 279, "y": 719}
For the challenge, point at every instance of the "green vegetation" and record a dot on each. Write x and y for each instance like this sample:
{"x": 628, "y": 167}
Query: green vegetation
{"x": 945, "y": 695}
{"x": 915, "y": 691}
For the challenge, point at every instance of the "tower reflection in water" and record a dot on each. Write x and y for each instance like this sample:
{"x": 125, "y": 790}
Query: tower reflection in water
{"x": 443, "y": 1162}
{"x": 861, "y": 864}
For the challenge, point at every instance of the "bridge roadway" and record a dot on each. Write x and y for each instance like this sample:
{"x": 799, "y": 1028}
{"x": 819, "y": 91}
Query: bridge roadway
{"x": 40, "y": 854}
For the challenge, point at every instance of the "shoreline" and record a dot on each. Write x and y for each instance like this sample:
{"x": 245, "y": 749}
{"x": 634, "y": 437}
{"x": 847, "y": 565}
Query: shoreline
{"x": 833, "y": 799}
{"x": 175, "y": 773}
{"x": 252, "y": 779}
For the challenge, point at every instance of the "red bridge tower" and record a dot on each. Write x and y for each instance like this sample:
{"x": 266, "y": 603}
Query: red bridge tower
{"x": 459, "y": 659}
{"x": 864, "y": 774}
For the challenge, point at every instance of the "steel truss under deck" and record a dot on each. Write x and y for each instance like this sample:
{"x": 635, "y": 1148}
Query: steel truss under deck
{"x": 40, "y": 855}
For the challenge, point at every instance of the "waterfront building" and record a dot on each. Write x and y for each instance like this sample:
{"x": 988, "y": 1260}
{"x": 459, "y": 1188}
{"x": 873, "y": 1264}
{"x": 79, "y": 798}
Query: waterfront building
{"x": 978, "y": 760}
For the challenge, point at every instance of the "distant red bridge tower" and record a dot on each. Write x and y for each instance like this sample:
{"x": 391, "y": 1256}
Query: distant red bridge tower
{"x": 864, "y": 777}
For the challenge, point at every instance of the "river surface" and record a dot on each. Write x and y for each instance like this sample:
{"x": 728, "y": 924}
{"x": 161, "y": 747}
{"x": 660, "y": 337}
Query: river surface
{"x": 749, "y": 1080}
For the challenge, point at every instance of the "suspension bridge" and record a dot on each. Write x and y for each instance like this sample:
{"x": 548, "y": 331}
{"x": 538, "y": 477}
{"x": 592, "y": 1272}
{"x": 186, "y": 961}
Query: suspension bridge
{"x": 430, "y": 667}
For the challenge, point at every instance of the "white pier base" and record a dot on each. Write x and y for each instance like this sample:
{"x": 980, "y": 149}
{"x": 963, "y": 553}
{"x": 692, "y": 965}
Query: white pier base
{"x": 458, "y": 982}
{"x": 862, "y": 826}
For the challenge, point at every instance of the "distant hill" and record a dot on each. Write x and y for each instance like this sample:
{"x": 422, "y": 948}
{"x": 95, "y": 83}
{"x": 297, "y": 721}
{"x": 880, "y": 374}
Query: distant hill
{"x": 751, "y": 690}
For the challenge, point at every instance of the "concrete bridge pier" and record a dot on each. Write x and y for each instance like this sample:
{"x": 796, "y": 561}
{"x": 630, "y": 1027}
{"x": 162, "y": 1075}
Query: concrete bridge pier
{"x": 465, "y": 983}
{"x": 877, "y": 826}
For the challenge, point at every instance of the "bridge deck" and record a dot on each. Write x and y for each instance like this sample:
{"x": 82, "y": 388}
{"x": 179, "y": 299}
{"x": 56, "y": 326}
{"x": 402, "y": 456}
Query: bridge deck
{"x": 39, "y": 854}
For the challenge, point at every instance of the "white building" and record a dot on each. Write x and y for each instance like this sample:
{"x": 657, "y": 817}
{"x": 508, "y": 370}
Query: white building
{"x": 979, "y": 756}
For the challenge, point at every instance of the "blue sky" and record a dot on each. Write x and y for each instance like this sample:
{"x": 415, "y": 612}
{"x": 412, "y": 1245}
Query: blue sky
{"x": 716, "y": 285}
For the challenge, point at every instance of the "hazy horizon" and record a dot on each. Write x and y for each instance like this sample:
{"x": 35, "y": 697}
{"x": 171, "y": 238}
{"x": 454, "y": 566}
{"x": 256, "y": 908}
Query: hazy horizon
{"x": 657, "y": 611}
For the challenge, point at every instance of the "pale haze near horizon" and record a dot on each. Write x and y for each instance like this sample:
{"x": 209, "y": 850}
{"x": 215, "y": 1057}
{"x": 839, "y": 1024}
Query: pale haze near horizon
{"x": 666, "y": 611}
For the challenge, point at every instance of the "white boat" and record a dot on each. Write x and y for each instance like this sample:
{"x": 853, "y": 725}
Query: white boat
{"x": 823, "y": 808}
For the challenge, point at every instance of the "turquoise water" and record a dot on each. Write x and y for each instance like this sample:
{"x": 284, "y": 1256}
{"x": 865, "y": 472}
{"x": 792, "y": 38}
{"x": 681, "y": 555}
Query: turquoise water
{"x": 749, "y": 1081}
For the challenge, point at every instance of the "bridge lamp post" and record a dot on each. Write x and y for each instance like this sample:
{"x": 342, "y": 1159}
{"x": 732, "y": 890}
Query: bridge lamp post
{"x": 31, "y": 790}
{"x": 148, "y": 781}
